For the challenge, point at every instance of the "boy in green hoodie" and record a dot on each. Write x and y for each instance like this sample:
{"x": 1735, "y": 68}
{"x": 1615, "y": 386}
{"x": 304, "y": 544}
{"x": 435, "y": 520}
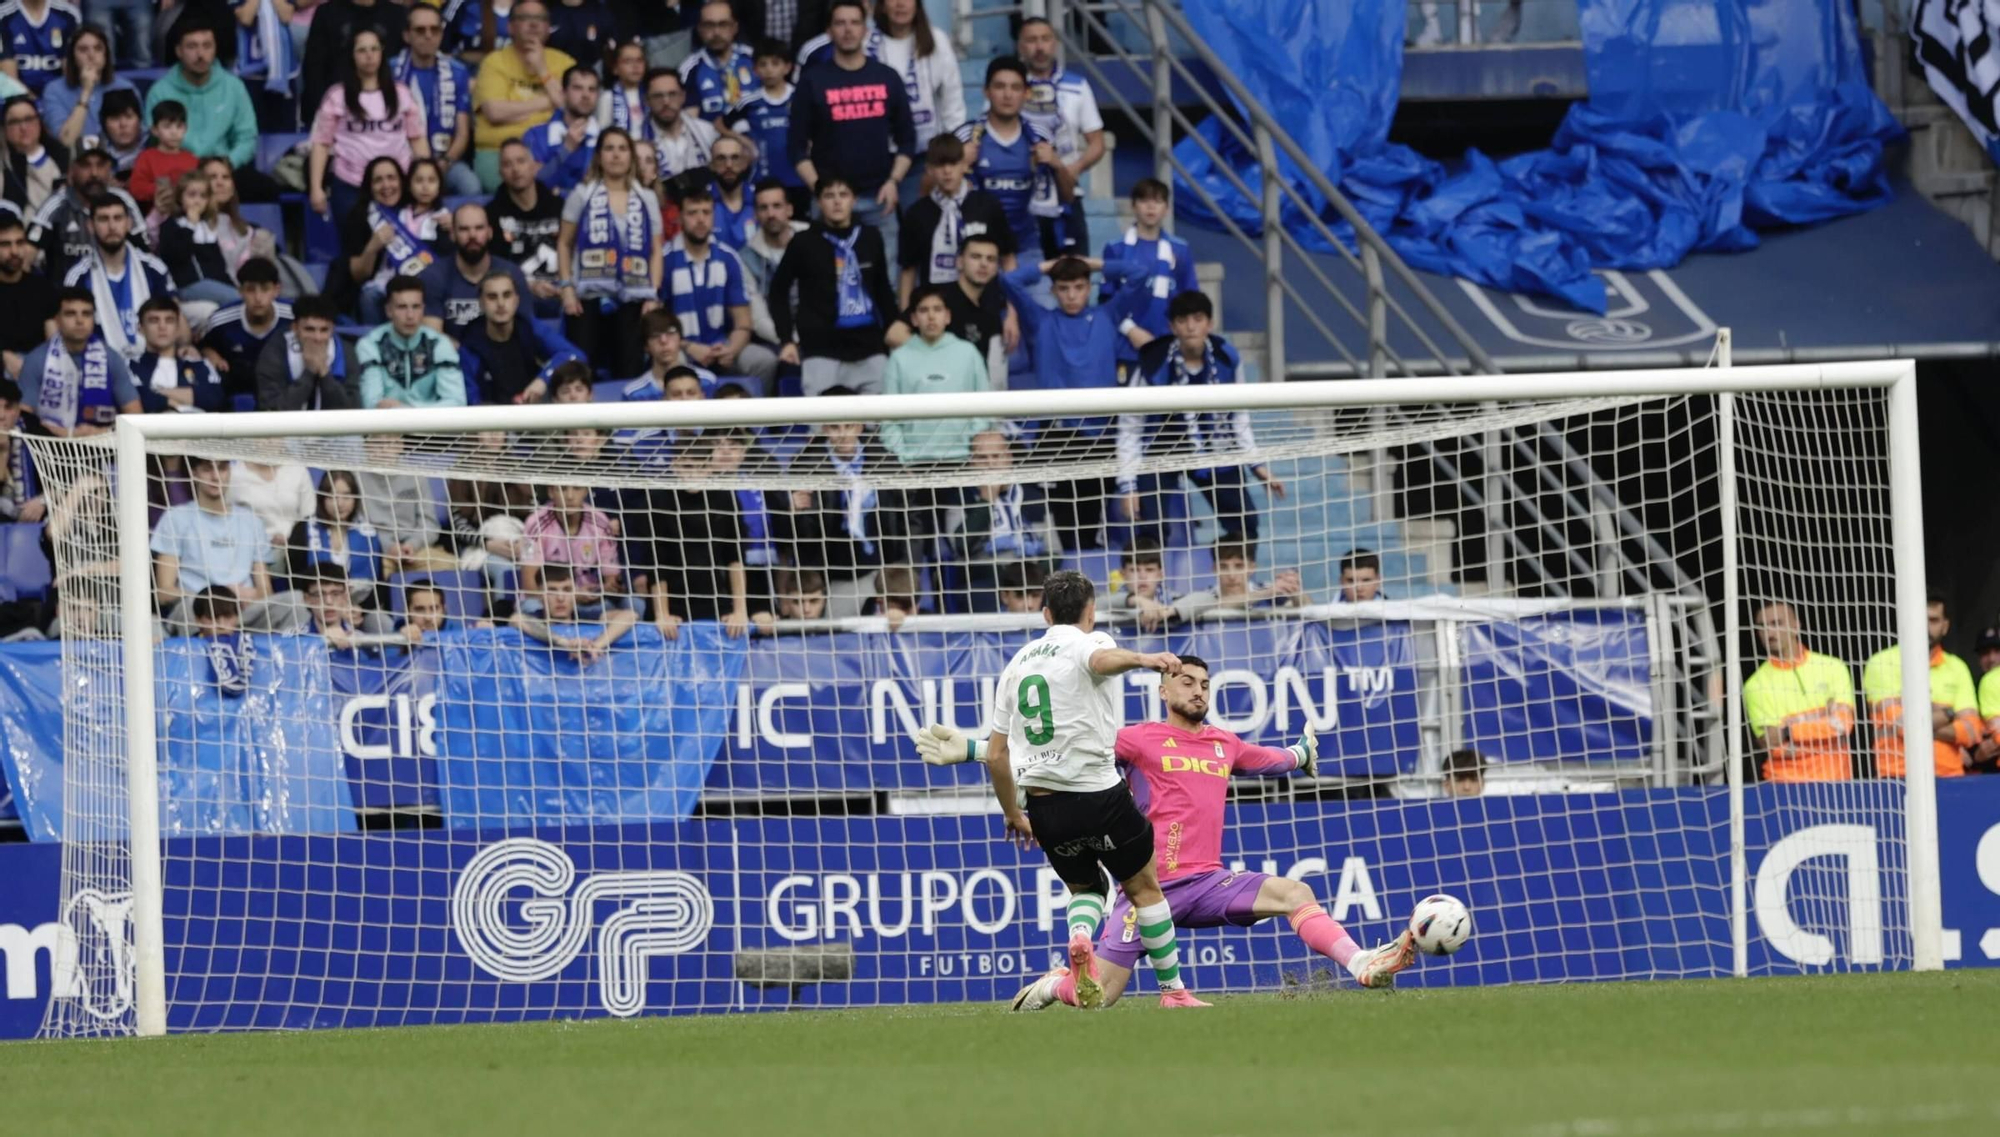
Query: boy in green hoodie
{"x": 935, "y": 362}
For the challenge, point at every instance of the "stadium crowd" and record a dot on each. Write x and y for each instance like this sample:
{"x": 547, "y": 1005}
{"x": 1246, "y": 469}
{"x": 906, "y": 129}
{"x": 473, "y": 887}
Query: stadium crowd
{"x": 552, "y": 201}
{"x": 568, "y": 200}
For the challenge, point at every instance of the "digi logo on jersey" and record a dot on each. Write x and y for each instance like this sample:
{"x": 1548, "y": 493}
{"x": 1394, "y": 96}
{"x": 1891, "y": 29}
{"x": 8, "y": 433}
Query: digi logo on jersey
{"x": 515, "y": 914}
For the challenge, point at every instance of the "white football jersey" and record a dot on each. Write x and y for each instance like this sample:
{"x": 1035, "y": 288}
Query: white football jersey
{"x": 1061, "y": 719}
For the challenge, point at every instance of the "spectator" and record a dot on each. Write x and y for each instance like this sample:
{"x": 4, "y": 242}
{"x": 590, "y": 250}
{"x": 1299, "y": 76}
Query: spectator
{"x": 851, "y": 122}
{"x": 588, "y": 29}
{"x": 487, "y": 514}
{"x": 509, "y": 360}
{"x": 403, "y": 509}
{"x": 903, "y": 40}
{"x": 980, "y": 314}
{"x": 948, "y": 215}
{"x": 62, "y": 229}
{"x": 335, "y": 23}
{"x": 623, "y": 103}
{"x": 1987, "y": 648}
{"x": 1800, "y": 705}
{"x": 1195, "y": 356}
{"x": 1361, "y": 577}
{"x": 442, "y": 88}
{"x": 218, "y": 618}
{"x": 519, "y": 87}
{"x": 280, "y": 494}
{"x": 571, "y": 383}
{"x": 188, "y": 243}
{"x": 664, "y": 356}
{"x": 207, "y": 542}
{"x": 646, "y": 171}
{"x": 403, "y": 362}
{"x": 221, "y": 121}
{"x": 1075, "y": 346}
{"x": 844, "y": 296}
{"x": 772, "y": 233}
{"x": 560, "y": 602}
{"x": 1956, "y": 726}
{"x": 764, "y": 119}
{"x": 610, "y": 252}
{"x": 895, "y": 598}
{"x": 842, "y": 531}
{"x": 705, "y": 290}
{"x": 124, "y": 136}
{"x": 119, "y": 274}
{"x": 30, "y": 171}
{"x": 565, "y": 145}
{"x": 800, "y": 595}
{"x": 1464, "y": 774}
{"x": 20, "y": 496}
{"x": 1004, "y": 520}
{"x": 692, "y": 542}
{"x": 165, "y": 160}
{"x": 235, "y": 335}
{"x": 308, "y": 367}
{"x": 1021, "y": 588}
{"x": 81, "y": 539}
{"x": 452, "y": 284}
{"x": 72, "y": 103}
{"x": 423, "y": 612}
{"x": 35, "y": 32}
{"x": 336, "y": 534}
{"x": 240, "y": 240}
{"x": 571, "y": 532}
{"x": 1014, "y": 161}
{"x": 330, "y": 612}
{"x": 528, "y": 217}
{"x": 934, "y": 363}
{"x": 396, "y": 232}
{"x": 1061, "y": 104}
{"x": 680, "y": 141}
{"x": 717, "y": 77}
{"x": 1237, "y": 586}
{"x": 1143, "y": 591}
{"x": 735, "y": 209}
{"x": 169, "y": 375}
{"x": 365, "y": 116}
{"x": 1148, "y": 253}
{"x": 27, "y": 298}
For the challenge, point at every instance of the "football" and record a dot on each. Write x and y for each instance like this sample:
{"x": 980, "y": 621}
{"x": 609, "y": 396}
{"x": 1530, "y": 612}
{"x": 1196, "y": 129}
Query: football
{"x": 1440, "y": 924}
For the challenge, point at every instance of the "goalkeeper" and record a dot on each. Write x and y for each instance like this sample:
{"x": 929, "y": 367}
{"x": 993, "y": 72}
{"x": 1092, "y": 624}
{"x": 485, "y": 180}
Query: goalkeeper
{"x": 1179, "y": 774}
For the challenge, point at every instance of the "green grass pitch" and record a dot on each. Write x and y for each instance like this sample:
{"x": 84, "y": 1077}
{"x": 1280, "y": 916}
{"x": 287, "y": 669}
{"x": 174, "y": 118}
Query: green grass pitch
{"x": 1880, "y": 1054}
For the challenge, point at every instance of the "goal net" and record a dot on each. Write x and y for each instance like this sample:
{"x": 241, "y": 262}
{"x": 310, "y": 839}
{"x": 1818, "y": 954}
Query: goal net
{"x": 376, "y": 718}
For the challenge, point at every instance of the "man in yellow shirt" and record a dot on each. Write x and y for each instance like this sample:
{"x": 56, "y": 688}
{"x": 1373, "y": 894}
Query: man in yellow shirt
{"x": 1955, "y": 722}
{"x": 519, "y": 87}
{"x": 1800, "y": 704}
{"x": 1987, "y": 651}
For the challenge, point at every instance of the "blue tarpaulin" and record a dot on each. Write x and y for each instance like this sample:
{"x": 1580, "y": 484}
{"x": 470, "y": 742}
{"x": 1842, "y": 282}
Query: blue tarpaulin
{"x": 1707, "y": 120}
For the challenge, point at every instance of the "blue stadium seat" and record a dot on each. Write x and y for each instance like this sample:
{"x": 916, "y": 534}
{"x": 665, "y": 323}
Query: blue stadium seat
{"x": 268, "y": 216}
{"x": 322, "y": 239}
{"x": 608, "y": 391}
{"x": 243, "y": 402}
{"x": 142, "y": 78}
{"x": 318, "y": 273}
{"x": 26, "y": 570}
{"x": 464, "y": 592}
{"x": 1189, "y": 569}
{"x": 273, "y": 146}
{"x": 1093, "y": 563}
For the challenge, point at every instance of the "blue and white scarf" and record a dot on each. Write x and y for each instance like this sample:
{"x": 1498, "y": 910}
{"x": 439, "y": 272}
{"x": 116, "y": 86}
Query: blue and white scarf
{"x": 232, "y": 656}
{"x": 408, "y": 254}
{"x": 857, "y": 498}
{"x": 920, "y": 116}
{"x": 614, "y": 262}
{"x": 853, "y": 308}
{"x": 265, "y": 50}
{"x": 1162, "y": 284}
{"x": 1011, "y": 533}
{"x": 444, "y": 123}
{"x": 625, "y": 113}
{"x": 945, "y": 238}
{"x": 70, "y": 396}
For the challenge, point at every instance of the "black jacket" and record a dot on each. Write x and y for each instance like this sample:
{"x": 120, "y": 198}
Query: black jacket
{"x": 809, "y": 263}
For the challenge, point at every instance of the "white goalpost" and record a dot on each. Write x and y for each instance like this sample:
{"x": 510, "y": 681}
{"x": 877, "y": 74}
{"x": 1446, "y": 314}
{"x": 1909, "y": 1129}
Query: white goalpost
{"x": 673, "y": 775}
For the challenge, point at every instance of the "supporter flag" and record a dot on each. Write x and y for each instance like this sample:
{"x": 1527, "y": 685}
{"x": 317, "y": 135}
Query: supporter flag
{"x": 1958, "y": 45}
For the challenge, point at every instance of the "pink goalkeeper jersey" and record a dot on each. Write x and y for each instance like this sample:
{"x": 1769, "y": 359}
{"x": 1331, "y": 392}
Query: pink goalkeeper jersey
{"x": 1180, "y": 781}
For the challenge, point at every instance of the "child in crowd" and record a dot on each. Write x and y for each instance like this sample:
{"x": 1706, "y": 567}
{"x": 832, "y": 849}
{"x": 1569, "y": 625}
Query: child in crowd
{"x": 165, "y": 160}
{"x": 560, "y": 608}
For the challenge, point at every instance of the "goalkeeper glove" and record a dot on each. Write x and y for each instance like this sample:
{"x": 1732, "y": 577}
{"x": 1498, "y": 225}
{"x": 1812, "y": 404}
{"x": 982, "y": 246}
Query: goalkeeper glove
{"x": 1306, "y": 749}
{"x": 941, "y": 745}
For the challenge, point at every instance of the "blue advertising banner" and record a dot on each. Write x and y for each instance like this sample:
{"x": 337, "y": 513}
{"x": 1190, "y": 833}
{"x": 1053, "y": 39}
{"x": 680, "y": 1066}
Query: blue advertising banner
{"x": 833, "y": 714}
{"x": 458, "y": 926}
{"x": 1569, "y": 687}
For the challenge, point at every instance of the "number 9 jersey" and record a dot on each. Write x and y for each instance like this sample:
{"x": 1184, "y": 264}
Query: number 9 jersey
{"x": 1061, "y": 719}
